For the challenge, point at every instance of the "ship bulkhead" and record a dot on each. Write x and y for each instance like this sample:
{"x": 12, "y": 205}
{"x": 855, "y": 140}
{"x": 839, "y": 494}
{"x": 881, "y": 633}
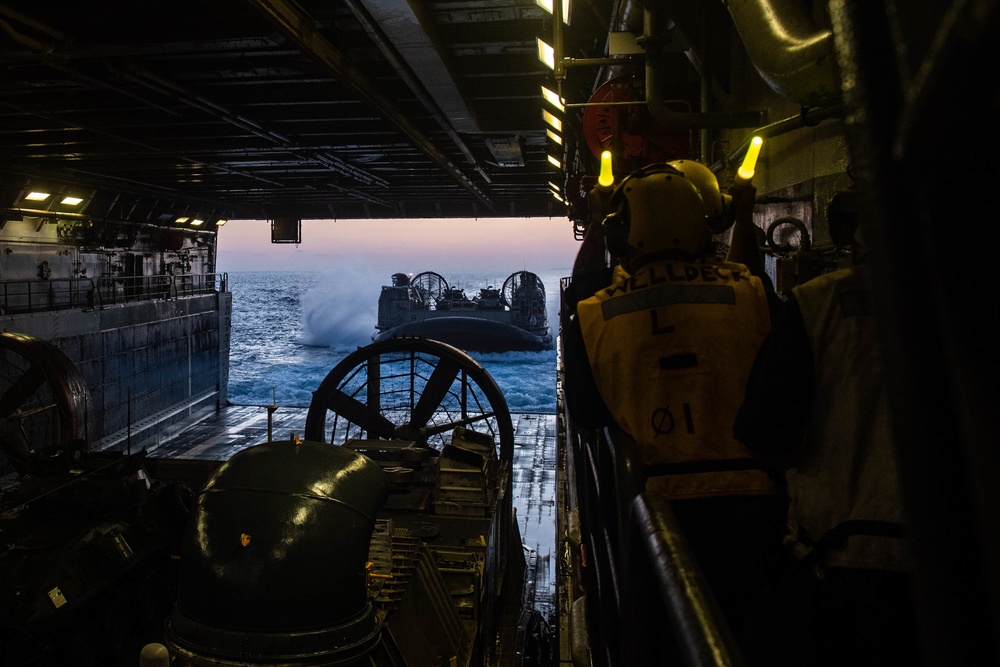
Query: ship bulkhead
{"x": 138, "y": 309}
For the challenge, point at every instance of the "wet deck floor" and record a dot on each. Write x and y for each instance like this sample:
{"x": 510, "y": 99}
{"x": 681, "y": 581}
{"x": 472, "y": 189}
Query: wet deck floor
{"x": 220, "y": 435}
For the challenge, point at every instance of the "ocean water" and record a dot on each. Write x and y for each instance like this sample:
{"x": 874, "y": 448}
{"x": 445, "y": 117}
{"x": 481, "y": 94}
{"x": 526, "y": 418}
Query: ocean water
{"x": 291, "y": 328}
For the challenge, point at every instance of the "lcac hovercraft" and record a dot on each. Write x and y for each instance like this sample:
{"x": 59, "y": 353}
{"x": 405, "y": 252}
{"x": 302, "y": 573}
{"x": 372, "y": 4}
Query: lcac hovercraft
{"x": 385, "y": 537}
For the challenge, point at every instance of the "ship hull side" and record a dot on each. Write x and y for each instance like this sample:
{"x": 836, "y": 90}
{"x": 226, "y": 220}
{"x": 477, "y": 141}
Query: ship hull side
{"x": 150, "y": 365}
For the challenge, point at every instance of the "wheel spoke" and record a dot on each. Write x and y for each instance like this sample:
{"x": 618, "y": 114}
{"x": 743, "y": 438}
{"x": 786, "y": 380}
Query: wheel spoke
{"x": 389, "y": 380}
{"x": 15, "y": 445}
{"x": 21, "y": 391}
{"x": 444, "y": 427}
{"x": 44, "y": 399}
{"x": 364, "y": 416}
{"x": 434, "y": 392}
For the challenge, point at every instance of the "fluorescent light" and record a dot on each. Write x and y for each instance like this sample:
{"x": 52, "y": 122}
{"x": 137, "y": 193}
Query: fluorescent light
{"x": 548, "y": 6}
{"x": 546, "y": 54}
{"x": 182, "y": 220}
{"x": 555, "y": 161}
{"x": 37, "y": 196}
{"x": 554, "y": 137}
{"x": 552, "y": 120}
{"x": 71, "y": 201}
{"x": 553, "y": 98}
{"x": 197, "y": 221}
{"x": 558, "y": 196}
{"x": 219, "y": 223}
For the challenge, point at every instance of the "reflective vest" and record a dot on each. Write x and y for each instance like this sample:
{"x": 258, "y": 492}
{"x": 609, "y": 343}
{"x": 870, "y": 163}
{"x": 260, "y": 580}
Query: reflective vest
{"x": 847, "y": 473}
{"x": 671, "y": 347}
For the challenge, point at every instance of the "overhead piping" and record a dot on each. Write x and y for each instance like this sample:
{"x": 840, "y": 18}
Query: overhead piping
{"x": 808, "y": 118}
{"x": 653, "y": 41}
{"x": 29, "y": 22}
{"x": 793, "y": 55}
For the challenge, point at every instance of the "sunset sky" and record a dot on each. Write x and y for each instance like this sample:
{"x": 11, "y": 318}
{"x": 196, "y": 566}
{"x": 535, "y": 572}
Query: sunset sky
{"x": 507, "y": 244}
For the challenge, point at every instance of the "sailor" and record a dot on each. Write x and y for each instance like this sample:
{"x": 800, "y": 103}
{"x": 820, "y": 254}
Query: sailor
{"x": 847, "y": 598}
{"x": 670, "y": 343}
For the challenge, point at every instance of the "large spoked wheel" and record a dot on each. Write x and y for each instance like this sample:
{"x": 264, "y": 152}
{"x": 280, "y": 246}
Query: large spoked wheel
{"x": 429, "y": 285}
{"x": 44, "y": 400}
{"x": 515, "y": 282}
{"x": 409, "y": 389}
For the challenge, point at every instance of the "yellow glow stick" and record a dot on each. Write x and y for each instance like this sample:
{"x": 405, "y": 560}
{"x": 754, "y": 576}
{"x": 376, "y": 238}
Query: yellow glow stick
{"x": 746, "y": 169}
{"x": 607, "y": 178}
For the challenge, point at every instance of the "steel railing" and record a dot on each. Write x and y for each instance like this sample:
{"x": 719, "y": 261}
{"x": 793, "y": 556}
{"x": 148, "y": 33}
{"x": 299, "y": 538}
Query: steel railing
{"x": 36, "y": 296}
{"x": 647, "y": 602}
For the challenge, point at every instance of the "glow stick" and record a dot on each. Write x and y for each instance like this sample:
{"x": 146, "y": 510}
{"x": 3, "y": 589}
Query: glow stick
{"x": 607, "y": 178}
{"x": 746, "y": 169}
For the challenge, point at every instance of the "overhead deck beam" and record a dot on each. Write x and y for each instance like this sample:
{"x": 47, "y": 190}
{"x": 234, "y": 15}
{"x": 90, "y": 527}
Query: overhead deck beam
{"x": 297, "y": 27}
{"x": 409, "y": 36}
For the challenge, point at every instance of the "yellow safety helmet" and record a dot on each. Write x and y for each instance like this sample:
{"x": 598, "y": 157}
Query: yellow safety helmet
{"x": 656, "y": 209}
{"x": 718, "y": 205}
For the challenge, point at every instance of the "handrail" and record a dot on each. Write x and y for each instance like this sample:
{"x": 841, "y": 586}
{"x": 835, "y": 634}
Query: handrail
{"x": 703, "y": 638}
{"x": 647, "y": 578}
{"x": 36, "y": 296}
{"x": 33, "y": 296}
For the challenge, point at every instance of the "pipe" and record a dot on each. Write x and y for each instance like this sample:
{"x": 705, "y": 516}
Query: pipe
{"x": 24, "y": 19}
{"x": 24, "y": 40}
{"x": 675, "y": 120}
{"x": 807, "y": 118}
{"x": 793, "y": 55}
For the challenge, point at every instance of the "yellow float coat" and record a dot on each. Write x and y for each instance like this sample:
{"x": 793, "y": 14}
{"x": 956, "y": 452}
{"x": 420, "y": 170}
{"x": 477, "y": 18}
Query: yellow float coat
{"x": 847, "y": 470}
{"x": 671, "y": 347}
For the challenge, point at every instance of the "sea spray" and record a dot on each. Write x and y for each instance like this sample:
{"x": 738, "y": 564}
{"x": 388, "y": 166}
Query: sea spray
{"x": 290, "y": 329}
{"x": 340, "y": 311}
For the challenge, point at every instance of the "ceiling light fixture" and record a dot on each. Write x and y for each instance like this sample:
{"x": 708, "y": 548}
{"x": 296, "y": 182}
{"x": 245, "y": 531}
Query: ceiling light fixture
{"x": 552, "y": 120}
{"x": 553, "y": 98}
{"x": 546, "y": 54}
{"x": 42, "y": 200}
{"x": 549, "y": 6}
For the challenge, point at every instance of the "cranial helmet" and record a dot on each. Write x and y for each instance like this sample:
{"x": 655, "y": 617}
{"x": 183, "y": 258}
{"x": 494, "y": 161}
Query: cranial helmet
{"x": 717, "y": 205}
{"x": 657, "y": 208}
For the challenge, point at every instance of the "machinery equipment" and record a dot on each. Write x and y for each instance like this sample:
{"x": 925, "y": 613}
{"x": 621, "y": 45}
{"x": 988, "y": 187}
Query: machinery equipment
{"x": 86, "y": 537}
